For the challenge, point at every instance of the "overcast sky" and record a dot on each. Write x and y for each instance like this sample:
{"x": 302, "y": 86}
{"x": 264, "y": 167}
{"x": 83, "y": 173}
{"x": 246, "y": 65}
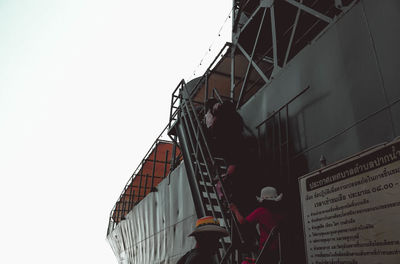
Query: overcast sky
{"x": 85, "y": 88}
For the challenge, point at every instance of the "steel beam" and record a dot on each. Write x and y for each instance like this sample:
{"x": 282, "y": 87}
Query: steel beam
{"x": 265, "y": 78}
{"x": 296, "y": 21}
{"x": 268, "y": 59}
{"x": 310, "y": 11}
{"x": 154, "y": 166}
{"x": 273, "y": 30}
{"x": 250, "y": 19}
{"x": 232, "y": 94}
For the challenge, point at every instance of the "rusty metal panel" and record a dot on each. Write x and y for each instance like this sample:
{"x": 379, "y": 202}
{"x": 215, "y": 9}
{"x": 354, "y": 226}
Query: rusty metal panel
{"x": 151, "y": 172}
{"x": 157, "y": 229}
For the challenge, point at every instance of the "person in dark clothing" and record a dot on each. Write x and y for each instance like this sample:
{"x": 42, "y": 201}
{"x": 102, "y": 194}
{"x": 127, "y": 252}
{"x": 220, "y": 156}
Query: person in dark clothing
{"x": 207, "y": 234}
{"x": 225, "y": 129}
{"x": 268, "y": 215}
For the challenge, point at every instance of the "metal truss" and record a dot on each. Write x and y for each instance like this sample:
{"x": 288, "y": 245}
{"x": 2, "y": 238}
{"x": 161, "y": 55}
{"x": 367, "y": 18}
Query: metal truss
{"x": 265, "y": 6}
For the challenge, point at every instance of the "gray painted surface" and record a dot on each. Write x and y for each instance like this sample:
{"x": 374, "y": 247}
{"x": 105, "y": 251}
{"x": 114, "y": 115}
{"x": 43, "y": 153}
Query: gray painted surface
{"x": 396, "y": 117}
{"x": 346, "y": 88}
{"x": 353, "y": 73}
{"x": 383, "y": 20}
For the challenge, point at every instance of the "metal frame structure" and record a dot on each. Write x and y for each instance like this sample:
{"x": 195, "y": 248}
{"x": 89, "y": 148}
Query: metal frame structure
{"x": 278, "y": 124}
{"x": 275, "y": 233}
{"x": 267, "y": 62}
{"x": 128, "y": 198}
{"x": 278, "y": 45}
{"x": 204, "y": 170}
{"x": 271, "y": 46}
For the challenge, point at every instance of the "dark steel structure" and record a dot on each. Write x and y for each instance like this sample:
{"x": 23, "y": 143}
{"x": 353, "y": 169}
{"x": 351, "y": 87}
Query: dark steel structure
{"x": 315, "y": 82}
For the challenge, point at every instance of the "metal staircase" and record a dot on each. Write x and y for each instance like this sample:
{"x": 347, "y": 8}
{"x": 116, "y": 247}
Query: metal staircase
{"x": 203, "y": 169}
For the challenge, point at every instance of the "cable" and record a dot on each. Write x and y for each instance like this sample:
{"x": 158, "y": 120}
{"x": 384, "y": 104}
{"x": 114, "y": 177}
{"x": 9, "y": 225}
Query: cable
{"x": 211, "y": 47}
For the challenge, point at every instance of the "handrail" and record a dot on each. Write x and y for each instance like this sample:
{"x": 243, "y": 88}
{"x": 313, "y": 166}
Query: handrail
{"x": 198, "y": 142}
{"x": 195, "y": 88}
{"x": 227, "y": 44}
{"x": 283, "y": 106}
{"x": 206, "y": 156}
{"x": 274, "y": 231}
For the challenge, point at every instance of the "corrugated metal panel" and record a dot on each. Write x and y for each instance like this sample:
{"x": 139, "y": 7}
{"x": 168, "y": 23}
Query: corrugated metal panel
{"x": 157, "y": 229}
{"x": 154, "y": 168}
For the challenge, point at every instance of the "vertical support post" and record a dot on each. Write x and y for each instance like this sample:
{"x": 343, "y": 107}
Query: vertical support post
{"x": 280, "y": 143}
{"x": 140, "y": 183}
{"x": 130, "y": 200}
{"x": 274, "y": 45}
{"x": 206, "y": 87}
{"x": 233, "y": 15}
{"x": 259, "y": 143}
{"x": 145, "y": 186}
{"x": 154, "y": 166}
{"x": 287, "y": 144}
{"x": 273, "y": 140}
{"x": 122, "y": 210}
{"x": 173, "y": 156}
{"x": 251, "y": 59}
{"x": 118, "y": 211}
{"x": 166, "y": 163}
{"x": 170, "y": 111}
{"x": 133, "y": 198}
{"x": 233, "y": 49}
{"x": 296, "y": 21}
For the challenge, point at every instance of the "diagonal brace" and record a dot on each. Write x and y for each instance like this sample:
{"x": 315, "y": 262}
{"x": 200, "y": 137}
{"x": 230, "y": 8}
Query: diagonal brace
{"x": 265, "y": 78}
{"x": 310, "y": 11}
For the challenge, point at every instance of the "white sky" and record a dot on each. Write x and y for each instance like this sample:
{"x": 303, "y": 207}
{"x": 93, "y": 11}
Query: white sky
{"x": 85, "y": 88}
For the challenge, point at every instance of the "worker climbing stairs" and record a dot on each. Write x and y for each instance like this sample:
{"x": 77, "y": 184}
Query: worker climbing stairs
{"x": 204, "y": 170}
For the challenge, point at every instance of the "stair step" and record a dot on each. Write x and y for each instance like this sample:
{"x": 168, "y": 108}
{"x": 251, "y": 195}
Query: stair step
{"x": 221, "y": 166}
{"x": 222, "y": 222}
{"x": 201, "y": 163}
{"x": 210, "y": 189}
{"x": 217, "y": 214}
{"x": 216, "y": 208}
{"x": 207, "y": 183}
{"x": 213, "y": 201}
{"x": 212, "y": 195}
{"x": 227, "y": 239}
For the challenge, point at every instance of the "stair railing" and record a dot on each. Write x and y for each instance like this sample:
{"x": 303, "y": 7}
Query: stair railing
{"x": 272, "y": 235}
{"x": 203, "y": 156}
{"x": 190, "y": 120}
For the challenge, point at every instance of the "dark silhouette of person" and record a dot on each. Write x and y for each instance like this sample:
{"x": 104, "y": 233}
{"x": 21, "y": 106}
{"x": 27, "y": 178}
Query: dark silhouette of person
{"x": 268, "y": 215}
{"x": 207, "y": 234}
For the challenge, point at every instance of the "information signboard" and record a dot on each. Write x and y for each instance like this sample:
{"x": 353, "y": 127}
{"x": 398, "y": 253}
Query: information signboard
{"x": 351, "y": 209}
